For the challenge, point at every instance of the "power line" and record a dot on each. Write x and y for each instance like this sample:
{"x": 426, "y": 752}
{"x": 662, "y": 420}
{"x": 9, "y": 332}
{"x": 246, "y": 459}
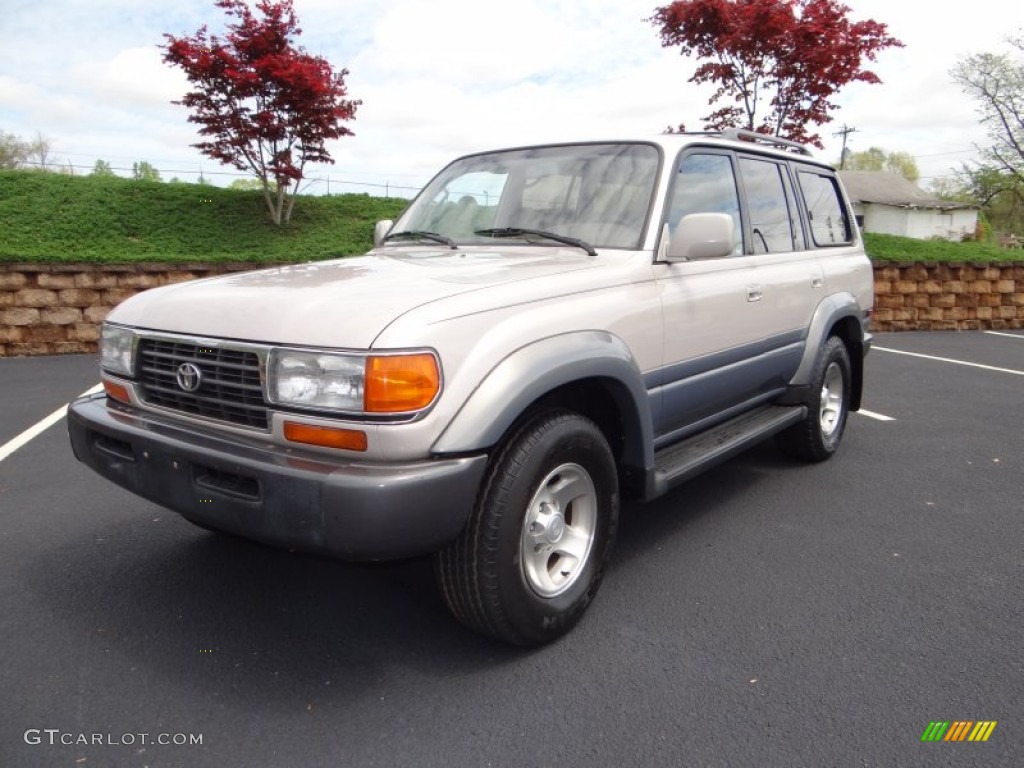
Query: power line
{"x": 844, "y": 132}
{"x": 242, "y": 174}
{"x": 953, "y": 152}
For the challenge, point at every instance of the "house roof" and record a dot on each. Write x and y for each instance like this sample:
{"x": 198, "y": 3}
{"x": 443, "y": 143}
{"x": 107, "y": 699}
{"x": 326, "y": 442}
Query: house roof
{"x": 892, "y": 189}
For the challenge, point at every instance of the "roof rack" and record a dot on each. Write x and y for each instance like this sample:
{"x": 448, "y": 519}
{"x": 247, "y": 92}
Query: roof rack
{"x": 740, "y": 134}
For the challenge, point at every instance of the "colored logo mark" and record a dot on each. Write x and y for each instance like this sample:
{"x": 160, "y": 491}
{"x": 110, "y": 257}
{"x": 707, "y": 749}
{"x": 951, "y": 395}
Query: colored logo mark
{"x": 959, "y": 730}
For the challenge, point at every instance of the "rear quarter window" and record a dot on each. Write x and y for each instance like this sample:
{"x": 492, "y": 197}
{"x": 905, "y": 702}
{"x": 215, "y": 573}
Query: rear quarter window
{"x": 827, "y": 215}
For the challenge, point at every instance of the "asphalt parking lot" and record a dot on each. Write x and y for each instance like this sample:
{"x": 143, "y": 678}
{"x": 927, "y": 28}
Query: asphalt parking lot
{"x": 766, "y": 614}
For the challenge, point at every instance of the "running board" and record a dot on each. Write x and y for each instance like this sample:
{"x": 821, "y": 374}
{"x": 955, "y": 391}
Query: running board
{"x": 679, "y": 462}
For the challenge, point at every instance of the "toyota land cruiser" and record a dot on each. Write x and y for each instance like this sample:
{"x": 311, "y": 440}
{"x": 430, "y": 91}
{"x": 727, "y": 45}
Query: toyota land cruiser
{"x": 544, "y": 331}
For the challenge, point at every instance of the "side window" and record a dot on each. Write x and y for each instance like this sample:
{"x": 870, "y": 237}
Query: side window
{"x": 829, "y": 219}
{"x": 705, "y": 183}
{"x": 771, "y": 212}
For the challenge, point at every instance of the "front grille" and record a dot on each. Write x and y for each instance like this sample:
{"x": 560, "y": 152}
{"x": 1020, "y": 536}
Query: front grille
{"x": 229, "y": 388}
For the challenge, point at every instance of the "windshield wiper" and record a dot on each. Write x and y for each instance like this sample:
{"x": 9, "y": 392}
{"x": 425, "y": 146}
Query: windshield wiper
{"x": 421, "y": 235}
{"x": 520, "y": 232}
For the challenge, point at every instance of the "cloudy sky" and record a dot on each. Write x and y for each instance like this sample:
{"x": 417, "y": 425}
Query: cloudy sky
{"x": 439, "y": 78}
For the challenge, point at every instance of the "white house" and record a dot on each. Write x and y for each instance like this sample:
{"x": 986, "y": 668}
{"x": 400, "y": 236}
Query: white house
{"x": 890, "y": 204}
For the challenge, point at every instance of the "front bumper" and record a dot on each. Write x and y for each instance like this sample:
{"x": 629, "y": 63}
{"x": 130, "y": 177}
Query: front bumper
{"x": 274, "y": 495}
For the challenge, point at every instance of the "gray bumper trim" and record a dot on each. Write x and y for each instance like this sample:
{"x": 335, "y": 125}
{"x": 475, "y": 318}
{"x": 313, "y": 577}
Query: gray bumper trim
{"x": 344, "y": 508}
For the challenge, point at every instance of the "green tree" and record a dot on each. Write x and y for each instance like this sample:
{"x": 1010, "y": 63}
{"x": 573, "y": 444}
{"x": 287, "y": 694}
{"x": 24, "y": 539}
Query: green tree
{"x": 877, "y": 159}
{"x": 996, "y": 82}
{"x": 904, "y": 164}
{"x": 39, "y": 151}
{"x": 999, "y": 193}
{"x": 950, "y": 188}
{"x": 102, "y": 168}
{"x": 14, "y": 152}
{"x": 250, "y": 184}
{"x": 143, "y": 171}
{"x": 869, "y": 160}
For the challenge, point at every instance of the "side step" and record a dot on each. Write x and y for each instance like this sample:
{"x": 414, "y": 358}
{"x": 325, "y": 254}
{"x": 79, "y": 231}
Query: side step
{"x": 679, "y": 462}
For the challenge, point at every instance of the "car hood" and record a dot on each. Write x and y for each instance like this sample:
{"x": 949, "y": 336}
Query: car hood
{"x": 345, "y": 302}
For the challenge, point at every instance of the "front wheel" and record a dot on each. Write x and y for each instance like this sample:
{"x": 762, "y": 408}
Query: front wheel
{"x": 532, "y": 555}
{"x": 817, "y": 437}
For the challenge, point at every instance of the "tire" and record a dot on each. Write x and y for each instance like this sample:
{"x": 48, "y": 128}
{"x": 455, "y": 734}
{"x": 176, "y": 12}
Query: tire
{"x": 533, "y": 552}
{"x": 817, "y": 437}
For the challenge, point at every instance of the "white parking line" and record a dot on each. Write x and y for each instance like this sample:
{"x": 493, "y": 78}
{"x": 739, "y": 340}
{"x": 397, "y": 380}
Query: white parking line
{"x": 39, "y": 427}
{"x": 1008, "y": 335}
{"x": 876, "y": 416}
{"x": 950, "y": 360}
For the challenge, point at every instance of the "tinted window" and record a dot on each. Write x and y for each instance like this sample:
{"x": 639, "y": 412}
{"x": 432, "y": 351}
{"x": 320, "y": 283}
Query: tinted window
{"x": 770, "y": 211}
{"x": 829, "y": 220}
{"x": 705, "y": 183}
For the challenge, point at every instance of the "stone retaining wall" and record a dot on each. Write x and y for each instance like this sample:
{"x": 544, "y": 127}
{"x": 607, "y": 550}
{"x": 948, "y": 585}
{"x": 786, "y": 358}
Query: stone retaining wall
{"x": 48, "y": 309}
{"x": 948, "y": 297}
{"x": 57, "y": 308}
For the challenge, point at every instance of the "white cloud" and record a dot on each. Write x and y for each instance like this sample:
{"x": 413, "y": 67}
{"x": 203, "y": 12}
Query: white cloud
{"x": 133, "y": 77}
{"x": 14, "y": 94}
{"x": 442, "y": 77}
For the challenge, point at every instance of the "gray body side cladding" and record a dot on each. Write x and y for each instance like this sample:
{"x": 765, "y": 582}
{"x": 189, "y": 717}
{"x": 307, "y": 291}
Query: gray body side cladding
{"x": 830, "y": 311}
{"x": 535, "y": 370}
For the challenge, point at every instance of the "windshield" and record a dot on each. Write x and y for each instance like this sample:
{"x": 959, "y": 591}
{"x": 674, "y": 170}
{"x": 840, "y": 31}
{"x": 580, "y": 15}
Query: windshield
{"x": 596, "y": 193}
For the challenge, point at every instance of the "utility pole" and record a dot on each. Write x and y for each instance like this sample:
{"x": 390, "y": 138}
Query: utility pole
{"x": 844, "y": 132}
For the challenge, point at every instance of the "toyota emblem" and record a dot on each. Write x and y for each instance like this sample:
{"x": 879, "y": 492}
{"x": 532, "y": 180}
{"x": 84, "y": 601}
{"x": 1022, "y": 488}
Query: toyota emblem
{"x": 189, "y": 377}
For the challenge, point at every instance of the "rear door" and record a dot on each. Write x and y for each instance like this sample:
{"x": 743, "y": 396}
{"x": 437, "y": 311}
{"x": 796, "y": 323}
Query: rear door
{"x": 832, "y": 233}
{"x": 734, "y": 326}
{"x": 789, "y": 278}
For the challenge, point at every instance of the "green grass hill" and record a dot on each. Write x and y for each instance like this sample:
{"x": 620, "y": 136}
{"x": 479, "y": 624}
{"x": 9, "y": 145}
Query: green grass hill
{"x": 907, "y": 249}
{"x": 59, "y": 218}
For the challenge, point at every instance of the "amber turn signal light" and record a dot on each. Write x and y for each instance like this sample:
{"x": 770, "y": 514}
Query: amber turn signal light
{"x": 401, "y": 383}
{"x": 116, "y": 391}
{"x": 326, "y": 437}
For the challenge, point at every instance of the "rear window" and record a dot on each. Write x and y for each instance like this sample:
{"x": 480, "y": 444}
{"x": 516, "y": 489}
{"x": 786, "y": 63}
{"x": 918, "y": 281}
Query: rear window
{"x": 829, "y": 218}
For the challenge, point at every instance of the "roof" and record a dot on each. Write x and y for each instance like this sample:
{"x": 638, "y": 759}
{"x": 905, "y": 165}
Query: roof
{"x": 671, "y": 143}
{"x": 887, "y": 188}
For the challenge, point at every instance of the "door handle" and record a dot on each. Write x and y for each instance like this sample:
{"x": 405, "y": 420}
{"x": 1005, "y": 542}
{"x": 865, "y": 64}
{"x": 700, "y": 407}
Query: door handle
{"x": 816, "y": 281}
{"x": 755, "y": 292}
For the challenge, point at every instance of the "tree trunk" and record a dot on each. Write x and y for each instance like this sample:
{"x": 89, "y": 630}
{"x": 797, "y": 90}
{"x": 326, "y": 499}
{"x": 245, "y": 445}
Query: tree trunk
{"x": 273, "y": 206}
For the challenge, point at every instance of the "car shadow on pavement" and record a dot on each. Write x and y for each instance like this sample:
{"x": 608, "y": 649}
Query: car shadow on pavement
{"x": 240, "y": 617}
{"x": 643, "y": 527}
{"x": 156, "y": 592}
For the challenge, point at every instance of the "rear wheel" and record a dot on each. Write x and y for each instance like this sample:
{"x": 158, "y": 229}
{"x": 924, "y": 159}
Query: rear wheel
{"x": 817, "y": 437}
{"x": 532, "y": 555}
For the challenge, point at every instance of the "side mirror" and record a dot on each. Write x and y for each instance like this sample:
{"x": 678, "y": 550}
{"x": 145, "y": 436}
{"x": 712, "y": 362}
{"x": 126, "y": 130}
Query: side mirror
{"x": 701, "y": 236}
{"x": 380, "y": 230}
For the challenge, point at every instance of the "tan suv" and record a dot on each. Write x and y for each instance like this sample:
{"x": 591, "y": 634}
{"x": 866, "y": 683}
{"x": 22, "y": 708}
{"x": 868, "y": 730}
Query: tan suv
{"x": 545, "y": 331}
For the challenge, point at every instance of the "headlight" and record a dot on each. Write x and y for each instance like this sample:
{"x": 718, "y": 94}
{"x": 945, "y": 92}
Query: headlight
{"x": 117, "y": 349}
{"x": 317, "y": 380}
{"x": 398, "y": 383}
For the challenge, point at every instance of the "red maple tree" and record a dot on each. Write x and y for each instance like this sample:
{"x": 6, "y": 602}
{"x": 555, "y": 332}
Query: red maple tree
{"x": 790, "y": 56}
{"x": 264, "y": 104}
